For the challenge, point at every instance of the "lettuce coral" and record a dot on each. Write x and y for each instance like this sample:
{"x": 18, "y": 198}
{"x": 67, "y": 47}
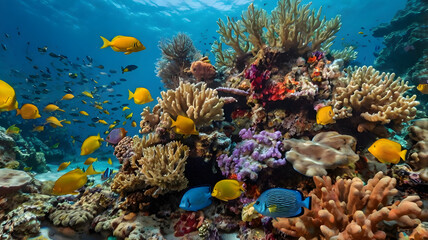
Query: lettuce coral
{"x": 349, "y": 209}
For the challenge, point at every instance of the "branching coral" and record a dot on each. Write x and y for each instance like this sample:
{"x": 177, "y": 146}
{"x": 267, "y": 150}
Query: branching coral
{"x": 349, "y": 209}
{"x": 419, "y": 153}
{"x": 375, "y": 97}
{"x": 177, "y": 55}
{"x": 290, "y": 27}
{"x": 347, "y": 55}
{"x": 199, "y": 103}
{"x": 327, "y": 150}
{"x": 156, "y": 169}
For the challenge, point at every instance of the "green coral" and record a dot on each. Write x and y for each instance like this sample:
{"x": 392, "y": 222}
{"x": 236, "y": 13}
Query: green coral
{"x": 290, "y": 27}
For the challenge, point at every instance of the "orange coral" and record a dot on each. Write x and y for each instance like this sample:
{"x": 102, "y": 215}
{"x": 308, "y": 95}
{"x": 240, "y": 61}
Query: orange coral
{"x": 202, "y": 70}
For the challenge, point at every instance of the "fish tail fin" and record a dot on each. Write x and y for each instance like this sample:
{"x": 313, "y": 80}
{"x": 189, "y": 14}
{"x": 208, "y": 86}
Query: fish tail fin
{"x": 122, "y": 69}
{"x": 131, "y": 95}
{"x": 59, "y": 109}
{"x": 403, "y": 154}
{"x": 307, "y": 203}
{"x": 106, "y": 42}
{"x": 18, "y": 111}
{"x": 91, "y": 171}
{"x": 173, "y": 122}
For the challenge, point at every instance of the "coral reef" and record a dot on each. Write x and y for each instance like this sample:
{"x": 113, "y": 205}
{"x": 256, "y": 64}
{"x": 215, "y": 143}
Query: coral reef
{"x": 404, "y": 38}
{"x": 197, "y": 102}
{"x": 348, "y": 209}
{"x": 177, "y": 55}
{"x": 203, "y": 70}
{"x": 374, "y": 97}
{"x": 256, "y": 152}
{"x": 327, "y": 150}
{"x": 7, "y": 153}
{"x": 134, "y": 226}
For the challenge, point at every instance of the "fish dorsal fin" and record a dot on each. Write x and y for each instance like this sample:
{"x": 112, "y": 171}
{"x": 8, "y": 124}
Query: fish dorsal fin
{"x": 117, "y": 37}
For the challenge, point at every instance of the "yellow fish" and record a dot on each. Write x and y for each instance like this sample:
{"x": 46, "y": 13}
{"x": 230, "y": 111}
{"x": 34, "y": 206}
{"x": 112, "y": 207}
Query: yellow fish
{"x": 7, "y": 97}
{"x": 423, "y": 88}
{"x": 141, "y": 96}
{"x": 134, "y": 124}
{"x": 67, "y": 121}
{"x": 102, "y": 121}
{"x": 38, "y": 129}
{"x": 125, "y": 108}
{"x": 28, "y": 111}
{"x": 67, "y": 96}
{"x": 72, "y": 180}
{"x": 228, "y": 189}
{"x": 124, "y": 122}
{"x": 109, "y": 161}
{"x": 111, "y": 126}
{"x": 52, "y": 107}
{"x": 106, "y": 132}
{"x": 90, "y": 160}
{"x": 360, "y": 33}
{"x": 106, "y": 101}
{"x": 54, "y": 121}
{"x": 386, "y": 150}
{"x": 325, "y": 115}
{"x": 84, "y": 113}
{"x": 13, "y": 130}
{"x": 106, "y": 112}
{"x": 63, "y": 166}
{"x": 129, "y": 116}
{"x": 184, "y": 125}
{"x": 27, "y": 169}
{"x": 123, "y": 44}
{"x": 98, "y": 107}
{"x": 83, "y": 101}
{"x": 91, "y": 144}
{"x": 88, "y": 94}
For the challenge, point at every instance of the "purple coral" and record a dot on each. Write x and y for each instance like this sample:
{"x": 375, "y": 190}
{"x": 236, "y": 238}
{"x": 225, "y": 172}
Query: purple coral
{"x": 256, "y": 152}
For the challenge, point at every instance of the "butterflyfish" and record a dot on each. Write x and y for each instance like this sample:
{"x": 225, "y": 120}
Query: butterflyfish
{"x": 325, "y": 115}
{"x": 228, "y": 189}
{"x": 141, "y": 96}
{"x": 184, "y": 125}
{"x": 28, "y": 111}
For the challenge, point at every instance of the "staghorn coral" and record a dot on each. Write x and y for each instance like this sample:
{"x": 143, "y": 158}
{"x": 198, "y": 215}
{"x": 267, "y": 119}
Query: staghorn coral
{"x": 177, "y": 55}
{"x": 255, "y": 153}
{"x": 375, "y": 97}
{"x": 350, "y": 210}
{"x": 327, "y": 150}
{"x": 290, "y": 27}
{"x": 155, "y": 169}
{"x": 201, "y": 104}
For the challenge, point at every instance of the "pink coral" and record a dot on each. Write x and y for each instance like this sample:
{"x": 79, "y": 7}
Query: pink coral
{"x": 188, "y": 222}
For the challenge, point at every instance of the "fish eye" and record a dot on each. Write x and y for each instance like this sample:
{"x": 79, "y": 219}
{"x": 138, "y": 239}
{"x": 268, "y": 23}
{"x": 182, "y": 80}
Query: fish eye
{"x": 257, "y": 202}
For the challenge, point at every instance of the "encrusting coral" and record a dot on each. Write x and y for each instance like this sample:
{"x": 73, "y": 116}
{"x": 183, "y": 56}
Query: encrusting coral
{"x": 348, "y": 209}
{"x": 375, "y": 97}
{"x": 419, "y": 153}
{"x": 291, "y": 27}
{"x": 327, "y": 150}
{"x": 197, "y": 102}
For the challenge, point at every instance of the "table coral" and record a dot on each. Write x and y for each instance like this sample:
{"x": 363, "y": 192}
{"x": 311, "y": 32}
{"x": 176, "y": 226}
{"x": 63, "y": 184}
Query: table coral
{"x": 256, "y": 152}
{"x": 327, "y": 150}
{"x": 375, "y": 97}
{"x": 197, "y": 102}
{"x": 348, "y": 209}
{"x": 12, "y": 180}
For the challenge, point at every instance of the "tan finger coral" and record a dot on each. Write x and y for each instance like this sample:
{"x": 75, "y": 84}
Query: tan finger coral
{"x": 419, "y": 153}
{"x": 350, "y": 210}
{"x": 197, "y": 102}
{"x": 327, "y": 150}
{"x": 375, "y": 97}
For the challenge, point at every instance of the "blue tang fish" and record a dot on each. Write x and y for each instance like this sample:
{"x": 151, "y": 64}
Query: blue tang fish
{"x": 196, "y": 198}
{"x": 281, "y": 202}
